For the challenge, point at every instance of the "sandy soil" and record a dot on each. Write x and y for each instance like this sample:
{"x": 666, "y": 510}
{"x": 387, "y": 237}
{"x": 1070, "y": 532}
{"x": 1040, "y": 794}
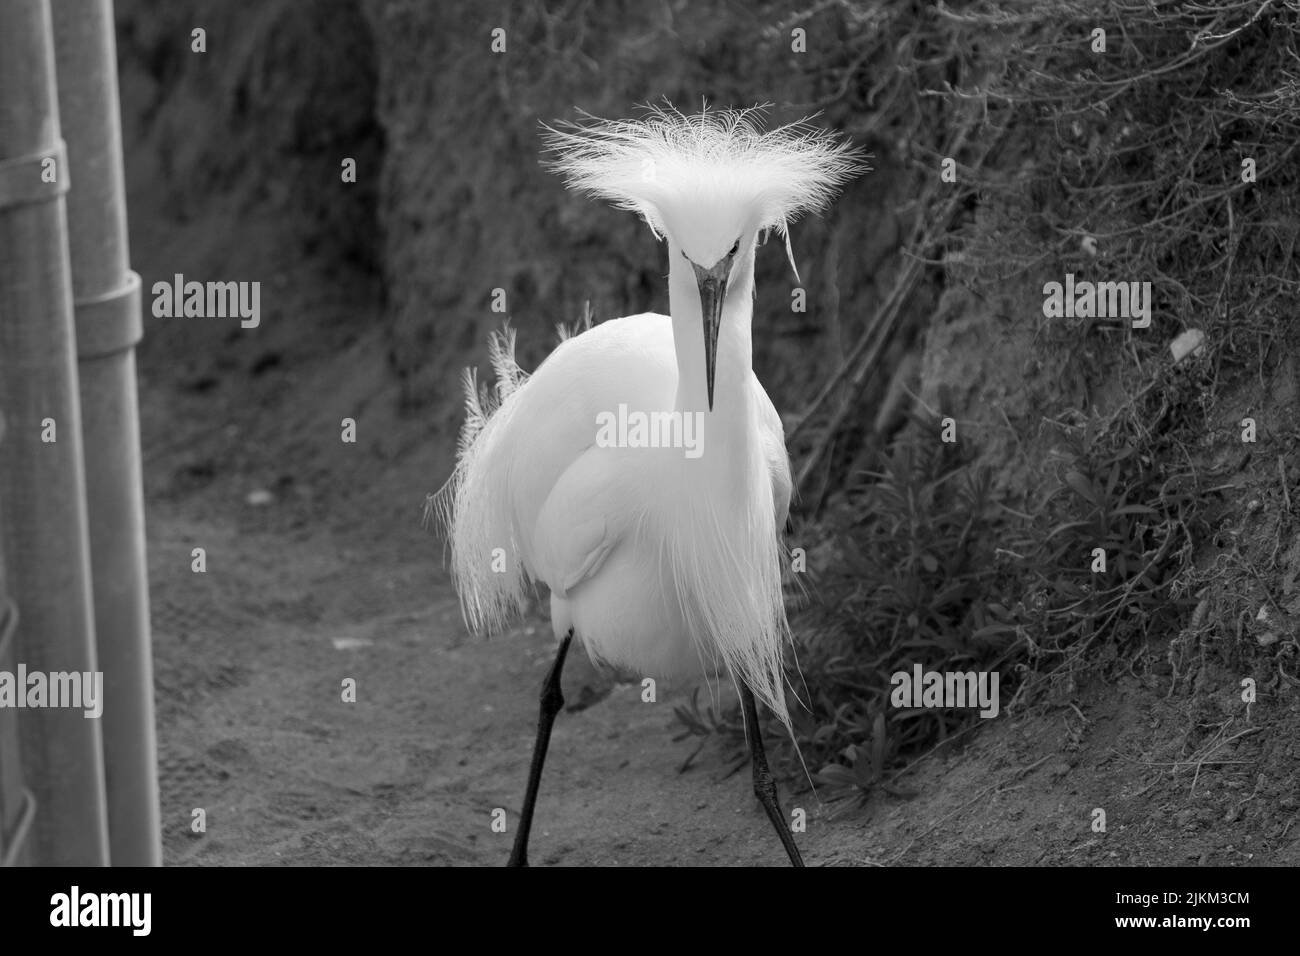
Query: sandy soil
{"x": 251, "y": 656}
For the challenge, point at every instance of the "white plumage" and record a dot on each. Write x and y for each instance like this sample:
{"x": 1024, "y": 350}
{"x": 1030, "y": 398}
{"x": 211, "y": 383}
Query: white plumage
{"x": 664, "y": 564}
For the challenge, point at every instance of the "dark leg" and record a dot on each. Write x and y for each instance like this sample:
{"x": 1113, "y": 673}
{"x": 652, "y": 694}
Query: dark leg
{"x": 552, "y": 703}
{"x": 764, "y": 785}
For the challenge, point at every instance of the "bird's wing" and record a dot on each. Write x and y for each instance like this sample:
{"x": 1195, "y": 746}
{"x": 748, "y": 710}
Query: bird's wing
{"x": 587, "y": 514}
{"x": 516, "y": 460}
{"x": 628, "y": 360}
{"x": 772, "y": 433}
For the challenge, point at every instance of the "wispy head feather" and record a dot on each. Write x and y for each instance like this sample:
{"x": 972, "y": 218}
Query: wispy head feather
{"x": 668, "y": 165}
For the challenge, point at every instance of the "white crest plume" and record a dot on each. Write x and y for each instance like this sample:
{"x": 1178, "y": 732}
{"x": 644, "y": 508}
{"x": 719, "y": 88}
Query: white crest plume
{"x": 669, "y": 162}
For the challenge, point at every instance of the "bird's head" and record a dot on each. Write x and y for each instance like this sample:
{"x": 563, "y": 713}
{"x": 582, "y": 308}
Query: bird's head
{"x": 709, "y": 183}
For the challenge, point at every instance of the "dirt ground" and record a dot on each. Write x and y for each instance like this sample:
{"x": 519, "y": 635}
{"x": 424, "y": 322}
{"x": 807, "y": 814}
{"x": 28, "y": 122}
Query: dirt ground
{"x": 334, "y": 577}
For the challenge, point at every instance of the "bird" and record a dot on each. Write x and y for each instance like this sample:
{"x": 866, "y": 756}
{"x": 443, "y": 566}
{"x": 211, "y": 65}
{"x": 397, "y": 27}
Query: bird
{"x": 640, "y": 472}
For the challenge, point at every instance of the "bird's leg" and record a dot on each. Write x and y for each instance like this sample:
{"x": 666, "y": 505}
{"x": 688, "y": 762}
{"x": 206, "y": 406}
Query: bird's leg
{"x": 552, "y": 701}
{"x": 764, "y": 784}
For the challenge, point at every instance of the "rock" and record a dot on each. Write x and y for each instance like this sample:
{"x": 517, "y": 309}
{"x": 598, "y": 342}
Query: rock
{"x": 1190, "y": 342}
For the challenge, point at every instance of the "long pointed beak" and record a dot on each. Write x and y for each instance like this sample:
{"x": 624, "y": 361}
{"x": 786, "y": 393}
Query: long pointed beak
{"x": 713, "y": 291}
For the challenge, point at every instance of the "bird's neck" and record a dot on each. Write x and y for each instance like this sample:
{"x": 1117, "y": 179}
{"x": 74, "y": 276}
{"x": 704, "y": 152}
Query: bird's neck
{"x": 732, "y": 391}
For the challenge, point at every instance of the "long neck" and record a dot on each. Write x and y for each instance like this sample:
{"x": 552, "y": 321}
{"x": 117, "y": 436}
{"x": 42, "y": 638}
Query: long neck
{"x": 732, "y": 392}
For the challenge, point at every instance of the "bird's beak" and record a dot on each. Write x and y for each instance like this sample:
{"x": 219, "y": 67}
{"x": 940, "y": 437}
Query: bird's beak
{"x": 713, "y": 290}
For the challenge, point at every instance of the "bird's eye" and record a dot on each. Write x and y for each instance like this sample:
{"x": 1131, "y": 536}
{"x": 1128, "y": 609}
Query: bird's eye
{"x": 685, "y": 256}
{"x": 735, "y": 248}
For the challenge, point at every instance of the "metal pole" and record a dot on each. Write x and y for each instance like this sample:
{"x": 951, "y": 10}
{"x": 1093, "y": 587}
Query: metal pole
{"x": 43, "y": 527}
{"x": 16, "y": 803}
{"x": 108, "y": 326}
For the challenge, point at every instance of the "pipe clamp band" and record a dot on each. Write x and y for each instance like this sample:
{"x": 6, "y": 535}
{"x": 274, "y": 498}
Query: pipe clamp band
{"x": 109, "y": 323}
{"x": 21, "y": 179}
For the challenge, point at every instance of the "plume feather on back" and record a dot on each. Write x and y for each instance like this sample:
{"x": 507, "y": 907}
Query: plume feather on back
{"x": 470, "y": 512}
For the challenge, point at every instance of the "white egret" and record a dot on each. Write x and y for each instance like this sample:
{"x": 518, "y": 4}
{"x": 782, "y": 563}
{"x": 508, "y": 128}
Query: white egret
{"x": 659, "y": 539}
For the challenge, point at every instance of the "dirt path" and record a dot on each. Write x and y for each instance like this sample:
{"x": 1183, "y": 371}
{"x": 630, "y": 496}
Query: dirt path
{"x": 255, "y": 730}
{"x": 250, "y": 660}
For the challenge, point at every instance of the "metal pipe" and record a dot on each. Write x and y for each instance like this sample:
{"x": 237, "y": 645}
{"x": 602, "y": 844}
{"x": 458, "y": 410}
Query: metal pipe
{"x": 15, "y": 802}
{"x": 43, "y": 525}
{"x": 107, "y": 306}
